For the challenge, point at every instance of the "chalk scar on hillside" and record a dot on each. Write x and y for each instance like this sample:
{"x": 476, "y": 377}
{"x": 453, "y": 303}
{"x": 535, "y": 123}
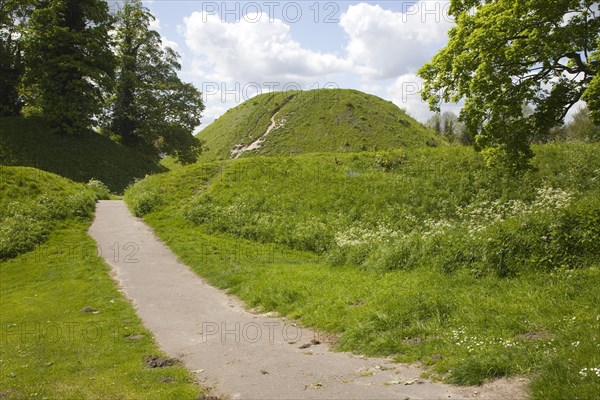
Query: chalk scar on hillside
{"x": 238, "y": 151}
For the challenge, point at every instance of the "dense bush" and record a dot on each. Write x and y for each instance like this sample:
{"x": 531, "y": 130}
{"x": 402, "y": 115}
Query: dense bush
{"x": 20, "y": 234}
{"x": 141, "y": 201}
{"x": 101, "y": 190}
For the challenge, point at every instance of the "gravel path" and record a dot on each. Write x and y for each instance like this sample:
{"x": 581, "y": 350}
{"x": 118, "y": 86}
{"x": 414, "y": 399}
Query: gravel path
{"x": 241, "y": 355}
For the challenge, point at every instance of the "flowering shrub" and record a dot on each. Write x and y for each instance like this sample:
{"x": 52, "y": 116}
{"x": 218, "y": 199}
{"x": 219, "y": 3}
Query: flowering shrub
{"x": 101, "y": 190}
{"x": 590, "y": 372}
{"x": 503, "y": 238}
{"x": 389, "y": 161}
{"x": 399, "y": 210}
{"x": 357, "y": 235}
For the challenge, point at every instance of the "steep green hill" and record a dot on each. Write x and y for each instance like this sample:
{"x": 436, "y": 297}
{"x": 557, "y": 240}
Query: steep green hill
{"x": 26, "y": 142}
{"x": 324, "y": 120}
{"x": 398, "y": 209}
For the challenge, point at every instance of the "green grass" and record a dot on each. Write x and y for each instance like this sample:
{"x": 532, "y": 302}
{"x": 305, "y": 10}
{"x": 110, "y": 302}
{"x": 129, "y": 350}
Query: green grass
{"x": 325, "y": 120}
{"x": 49, "y": 348}
{"x": 415, "y": 253}
{"x": 32, "y": 202}
{"x": 399, "y": 210}
{"x": 26, "y": 142}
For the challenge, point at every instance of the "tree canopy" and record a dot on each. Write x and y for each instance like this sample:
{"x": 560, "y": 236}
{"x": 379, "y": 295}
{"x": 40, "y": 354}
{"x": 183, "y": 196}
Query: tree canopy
{"x": 81, "y": 67}
{"x": 69, "y": 62}
{"x": 502, "y": 54}
{"x": 151, "y": 109}
{"x": 13, "y": 16}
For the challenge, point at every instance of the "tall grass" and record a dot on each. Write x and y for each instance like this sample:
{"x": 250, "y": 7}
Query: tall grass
{"x": 401, "y": 210}
{"x": 421, "y": 254}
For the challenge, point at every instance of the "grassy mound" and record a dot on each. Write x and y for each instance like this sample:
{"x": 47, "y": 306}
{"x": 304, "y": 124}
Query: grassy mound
{"x": 421, "y": 254}
{"x": 34, "y": 202}
{"x": 26, "y": 142}
{"x": 324, "y": 120}
{"x": 401, "y": 209}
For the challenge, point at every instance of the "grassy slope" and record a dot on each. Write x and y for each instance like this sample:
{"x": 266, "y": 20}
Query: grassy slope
{"x": 483, "y": 326}
{"x": 49, "y": 348}
{"x": 324, "y": 120}
{"x": 33, "y": 202}
{"x": 25, "y": 142}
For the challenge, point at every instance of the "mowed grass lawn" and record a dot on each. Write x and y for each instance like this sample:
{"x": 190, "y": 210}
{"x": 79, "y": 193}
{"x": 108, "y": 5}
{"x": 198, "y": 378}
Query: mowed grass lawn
{"x": 49, "y": 347}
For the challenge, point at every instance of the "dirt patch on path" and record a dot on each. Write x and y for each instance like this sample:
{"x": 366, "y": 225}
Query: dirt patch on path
{"x": 243, "y": 355}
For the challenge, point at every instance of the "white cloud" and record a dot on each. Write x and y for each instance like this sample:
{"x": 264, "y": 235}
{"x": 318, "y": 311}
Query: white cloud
{"x": 370, "y": 88}
{"x": 169, "y": 43}
{"x": 385, "y": 44}
{"x": 382, "y": 45}
{"x": 211, "y": 114}
{"x": 261, "y": 51}
{"x": 404, "y": 92}
{"x": 155, "y": 25}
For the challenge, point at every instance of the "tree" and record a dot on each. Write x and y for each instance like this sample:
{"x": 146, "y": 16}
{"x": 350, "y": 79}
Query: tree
{"x": 448, "y": 126}
{"x": 13, "y": 16}
{"x": 502, "y": 54}
{"x": 152, "y": 110}
{"x": 69, "y": 62}
{"x": 582, "y": 128}
{"x": 435, "y": 123}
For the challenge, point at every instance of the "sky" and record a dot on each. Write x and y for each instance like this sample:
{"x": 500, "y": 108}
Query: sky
{"x": 233, "y": 50}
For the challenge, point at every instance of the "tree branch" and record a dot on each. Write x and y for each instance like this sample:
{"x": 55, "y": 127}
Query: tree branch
{"x": 582, "y": 67}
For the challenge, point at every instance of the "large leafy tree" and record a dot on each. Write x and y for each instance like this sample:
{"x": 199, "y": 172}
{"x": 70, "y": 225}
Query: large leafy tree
{"x": 502, "y": 54}
{"x": 13, "y": 17}
{"x": 152, "y": 109}
{"x": 69, "y": 62}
